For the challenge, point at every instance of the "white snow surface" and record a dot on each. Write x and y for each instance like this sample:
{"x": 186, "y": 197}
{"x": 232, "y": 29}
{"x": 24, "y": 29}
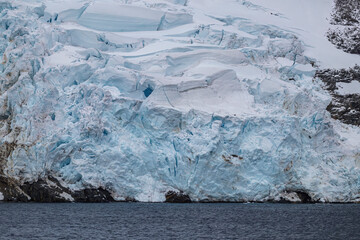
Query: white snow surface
{"x": 1, "y": 196}
{"x": 67, "y": 196}
{"x": 352, "y": 87}
{"x": 215, "y": 98}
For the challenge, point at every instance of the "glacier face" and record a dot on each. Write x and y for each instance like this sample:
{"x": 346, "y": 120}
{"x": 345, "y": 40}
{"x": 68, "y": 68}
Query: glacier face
{"x": 216, "y": 99}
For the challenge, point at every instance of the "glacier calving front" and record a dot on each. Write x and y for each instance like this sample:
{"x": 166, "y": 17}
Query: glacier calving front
{"x": 213, "y": 98}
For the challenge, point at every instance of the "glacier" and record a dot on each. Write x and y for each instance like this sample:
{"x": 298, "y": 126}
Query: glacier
{"x": 214, "y": 99}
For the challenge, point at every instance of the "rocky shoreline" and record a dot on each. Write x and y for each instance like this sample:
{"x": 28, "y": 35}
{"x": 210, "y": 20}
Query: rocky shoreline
{"x": 50, "y": 190}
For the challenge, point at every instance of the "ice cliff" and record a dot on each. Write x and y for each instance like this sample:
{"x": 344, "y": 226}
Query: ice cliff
{"x": 215, "y": 99}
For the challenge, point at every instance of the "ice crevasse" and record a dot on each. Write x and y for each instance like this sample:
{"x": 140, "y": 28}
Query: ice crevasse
{"x": 214, "y": 99}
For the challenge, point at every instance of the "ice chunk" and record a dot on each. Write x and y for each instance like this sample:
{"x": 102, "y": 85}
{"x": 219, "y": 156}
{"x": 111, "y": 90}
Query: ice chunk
{"x": 125, "y": 18}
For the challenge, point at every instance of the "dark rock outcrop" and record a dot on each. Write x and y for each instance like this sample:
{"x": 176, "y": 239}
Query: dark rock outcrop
{"x": 41, "y": 191}
{"x": 345, "y": 108}
{"x": 346, "y": 12}
{"x": 177, "y": 197}
{"x": 302, "y": 197}
{"x": 93, "y": 195}
{"x": 11, "y": 191}
{"x": 305, "y": 197}
{"x": 50, "y": 190}
{"x": 347, "y": 35}
{"x": 347, "y": 39}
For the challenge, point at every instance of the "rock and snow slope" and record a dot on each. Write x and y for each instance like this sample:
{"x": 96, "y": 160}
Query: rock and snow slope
{"x": 345, "y": 32}
{"x": 213, "y": 98}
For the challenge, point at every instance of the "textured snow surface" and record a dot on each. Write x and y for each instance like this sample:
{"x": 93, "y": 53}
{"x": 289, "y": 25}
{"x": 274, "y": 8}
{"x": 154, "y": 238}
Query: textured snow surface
{"x": 345, "y": 30}
{"x": 215, "y": 98}
{"x": 348, "y": 88}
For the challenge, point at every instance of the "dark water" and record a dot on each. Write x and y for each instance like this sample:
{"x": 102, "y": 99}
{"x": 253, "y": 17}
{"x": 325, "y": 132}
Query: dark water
{"x": 178, "y": 221}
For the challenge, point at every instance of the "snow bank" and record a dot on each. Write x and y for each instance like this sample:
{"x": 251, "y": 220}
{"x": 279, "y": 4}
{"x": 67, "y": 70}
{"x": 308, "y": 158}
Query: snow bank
{"x": 348, "y": 88}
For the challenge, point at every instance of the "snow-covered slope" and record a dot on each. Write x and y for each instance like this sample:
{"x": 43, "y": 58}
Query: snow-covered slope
{"x": 216, "y": 99}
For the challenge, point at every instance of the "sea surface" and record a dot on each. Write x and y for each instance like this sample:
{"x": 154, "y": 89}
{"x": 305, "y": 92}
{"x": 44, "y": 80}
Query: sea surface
{"x": 179, "y": 221}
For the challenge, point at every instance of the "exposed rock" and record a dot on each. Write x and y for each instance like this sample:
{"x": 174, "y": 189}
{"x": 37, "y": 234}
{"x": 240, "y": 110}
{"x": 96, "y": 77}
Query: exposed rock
{"x": 298, "y": 196}
{"x": 93, "y": 195}
{"x": 347, "y": 35}
{"x": 11, "y": 191}
{"x": 40, "y": 191}
{"x": 346, "y": 12}
{"x": 347, "y": 39}
{"x": 50, "y": 190}
{"x": 304, "y": 197}
{"x": 177, "y": 197}
{"x": 346, "y": 107}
